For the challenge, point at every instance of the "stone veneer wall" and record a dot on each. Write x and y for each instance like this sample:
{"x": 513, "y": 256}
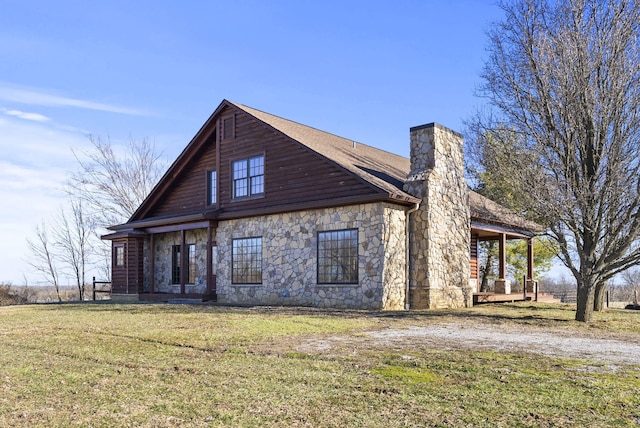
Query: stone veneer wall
{"x": 289, "y": 258}
{"x": 440, "y": 230}
{"x": 163, "y": 255}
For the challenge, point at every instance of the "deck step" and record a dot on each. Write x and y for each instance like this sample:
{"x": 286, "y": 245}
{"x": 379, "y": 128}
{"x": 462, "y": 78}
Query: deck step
{"x": 184, "y": 301}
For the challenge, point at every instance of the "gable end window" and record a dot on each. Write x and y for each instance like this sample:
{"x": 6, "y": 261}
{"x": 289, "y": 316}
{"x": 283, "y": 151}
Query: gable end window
{"x": 246, "y": 261}
{"x": 248, "y": 177}
{"x": 338, "y": 257}
{"x": 212, "y": 185}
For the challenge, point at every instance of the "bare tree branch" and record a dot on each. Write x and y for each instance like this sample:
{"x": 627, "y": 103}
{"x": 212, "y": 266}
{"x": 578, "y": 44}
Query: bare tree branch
{"x": 114, "y": 181}
{"x": 43, "y": 257}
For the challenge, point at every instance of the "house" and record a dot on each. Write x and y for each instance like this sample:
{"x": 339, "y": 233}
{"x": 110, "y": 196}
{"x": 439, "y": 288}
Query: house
{"x": 260, "y": 210}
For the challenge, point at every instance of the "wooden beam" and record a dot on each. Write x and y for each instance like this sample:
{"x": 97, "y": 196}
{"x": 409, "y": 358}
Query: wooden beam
{"x": 177, "y": 227}
{"x": 184, "y": 260}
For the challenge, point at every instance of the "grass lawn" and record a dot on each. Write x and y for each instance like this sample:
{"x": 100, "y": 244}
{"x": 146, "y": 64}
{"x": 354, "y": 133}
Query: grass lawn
{"x": 198, "y": 365}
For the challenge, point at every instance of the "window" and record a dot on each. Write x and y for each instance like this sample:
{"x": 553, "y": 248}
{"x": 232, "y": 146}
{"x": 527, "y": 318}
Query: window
{"x": 338, "y": 257}
{"x": 176, "y": 263}
{"x": 248, "y": 177}
{"x": 212, "y": 182}
{"x": 118, "y": 255}
{"x": 191, "y": 276}
{"x": 246, "y": 261}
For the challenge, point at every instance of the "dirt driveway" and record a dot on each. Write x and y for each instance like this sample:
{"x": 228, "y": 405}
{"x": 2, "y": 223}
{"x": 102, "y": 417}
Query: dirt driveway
{"x": 557, "y": 343}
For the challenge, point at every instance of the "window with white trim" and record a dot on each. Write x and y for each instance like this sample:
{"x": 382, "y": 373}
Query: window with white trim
{"x": 248, "y": 177}
{"x": 212, "y": 183}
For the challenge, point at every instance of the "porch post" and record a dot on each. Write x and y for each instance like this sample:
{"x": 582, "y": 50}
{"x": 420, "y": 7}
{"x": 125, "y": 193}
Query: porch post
{"x": 502, "y": 243}
{"x": 209, "y": 257}
{"x": 530, "y": 258}
{"x": 184, "y": 260}
{"x": 152, "y": 264}
{"x": 502, "y": 284}
{"x": 531, "y": 283}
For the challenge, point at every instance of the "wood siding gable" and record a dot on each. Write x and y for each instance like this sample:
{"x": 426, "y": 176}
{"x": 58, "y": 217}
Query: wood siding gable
{"x": 188, "y": 191}
{"x": 294, "y": 174}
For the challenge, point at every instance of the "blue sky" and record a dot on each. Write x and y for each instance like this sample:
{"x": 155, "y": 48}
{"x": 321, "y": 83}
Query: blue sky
{"x": 365, "y": 70}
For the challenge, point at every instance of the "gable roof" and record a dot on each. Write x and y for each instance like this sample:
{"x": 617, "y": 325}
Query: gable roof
{"x": 385, "y": 170}
{"x": 381, "y": 169}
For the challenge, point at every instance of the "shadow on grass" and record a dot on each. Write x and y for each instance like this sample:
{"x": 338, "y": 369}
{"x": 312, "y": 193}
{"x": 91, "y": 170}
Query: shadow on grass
{"x": 498, "y": 312}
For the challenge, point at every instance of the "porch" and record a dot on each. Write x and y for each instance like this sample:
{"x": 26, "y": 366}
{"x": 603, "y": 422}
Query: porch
{"x": 482, "y": 232}
{"x": 165, "y": 263}
{"x": 176, "y": 297}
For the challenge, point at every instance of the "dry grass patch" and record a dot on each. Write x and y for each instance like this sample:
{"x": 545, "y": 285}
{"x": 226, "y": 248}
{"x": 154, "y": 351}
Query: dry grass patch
{"x": 178, "y": 365}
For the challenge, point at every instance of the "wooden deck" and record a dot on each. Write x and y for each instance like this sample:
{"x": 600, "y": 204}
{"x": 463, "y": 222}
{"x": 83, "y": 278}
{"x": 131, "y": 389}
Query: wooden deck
{"x": 490, "y": 297}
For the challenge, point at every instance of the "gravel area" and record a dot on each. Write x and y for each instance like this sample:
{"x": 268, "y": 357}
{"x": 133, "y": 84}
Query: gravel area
{"x": 487, "y": 337}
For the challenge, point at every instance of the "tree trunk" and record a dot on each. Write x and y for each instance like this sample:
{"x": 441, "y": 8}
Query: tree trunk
{"x": 486, "y": 269}
{"x": 586, "y": 295}
{"x": 600, "y": 293}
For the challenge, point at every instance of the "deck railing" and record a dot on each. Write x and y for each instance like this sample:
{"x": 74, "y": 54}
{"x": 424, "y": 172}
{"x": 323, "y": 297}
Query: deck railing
{"x": 102, "y": 288}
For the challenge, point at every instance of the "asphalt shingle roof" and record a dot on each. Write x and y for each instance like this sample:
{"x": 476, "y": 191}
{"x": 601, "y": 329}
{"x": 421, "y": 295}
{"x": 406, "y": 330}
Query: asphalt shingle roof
{"x": 383, "y": 169}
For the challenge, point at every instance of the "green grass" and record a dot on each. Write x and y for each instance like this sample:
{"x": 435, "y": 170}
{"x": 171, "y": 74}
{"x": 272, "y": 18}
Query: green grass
{"x": 178, "y": 365}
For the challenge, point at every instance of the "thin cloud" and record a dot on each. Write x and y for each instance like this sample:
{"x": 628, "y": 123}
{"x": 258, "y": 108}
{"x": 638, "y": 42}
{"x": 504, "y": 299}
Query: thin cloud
{"x": 36, "y": 117}
{"x": 42, "y": 98}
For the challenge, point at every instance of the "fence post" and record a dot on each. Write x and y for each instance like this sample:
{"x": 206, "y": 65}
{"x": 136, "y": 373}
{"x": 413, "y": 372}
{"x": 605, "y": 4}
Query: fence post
{"x": 607, "y": 298}
{"x": 94, "y": 288}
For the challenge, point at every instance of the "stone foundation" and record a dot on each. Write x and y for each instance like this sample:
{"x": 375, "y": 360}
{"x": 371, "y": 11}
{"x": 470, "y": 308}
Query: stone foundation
{"x": 502, "y": 286}
{"x": 124, "y": 298}
{"x": 473, "y": 285}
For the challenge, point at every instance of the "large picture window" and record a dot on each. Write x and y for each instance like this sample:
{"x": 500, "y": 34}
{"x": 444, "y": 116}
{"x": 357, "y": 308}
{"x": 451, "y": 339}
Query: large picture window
{"x": 176, "y": 263}
{"x": 246, "y": 261}
{"x": 338, "y": 257}
{"x": 248, "y": 177}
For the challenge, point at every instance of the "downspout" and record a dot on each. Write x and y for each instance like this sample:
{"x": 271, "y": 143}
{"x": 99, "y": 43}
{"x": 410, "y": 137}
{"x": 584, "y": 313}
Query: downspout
{"x": 407, "y": 304}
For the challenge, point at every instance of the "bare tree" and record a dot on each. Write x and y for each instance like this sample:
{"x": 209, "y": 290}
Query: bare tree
{"x": 114, "y": 180}
{"x": 73, "y": 238}
{"x": 42, "y": 257}
{"x": 563, "y": 78}
{"x": 631, "y": 285}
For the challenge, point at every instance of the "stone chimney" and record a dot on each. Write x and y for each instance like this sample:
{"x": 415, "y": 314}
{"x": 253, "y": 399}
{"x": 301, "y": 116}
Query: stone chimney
{"x": 440, "y": 230}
